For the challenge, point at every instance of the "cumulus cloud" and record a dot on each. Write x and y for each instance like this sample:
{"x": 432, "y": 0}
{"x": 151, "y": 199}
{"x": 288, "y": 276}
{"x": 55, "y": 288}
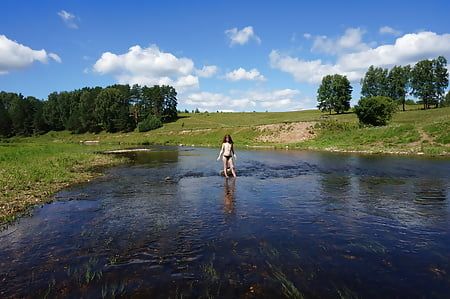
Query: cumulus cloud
{"x": 15, "y": 56}
{"x": 149, "y": 66}
{"x": 389, "y": 30}
{"x": 310, "y": 71}
{"x": 207, "y": 71}
{"x": 68, "y": 18}
{"x": 274, "y": 100}
{"x": 242, "y": 74}
{"x": 241, "y": 37}
{"x": 407, "y": 49}
{"x": 351, "y": 40}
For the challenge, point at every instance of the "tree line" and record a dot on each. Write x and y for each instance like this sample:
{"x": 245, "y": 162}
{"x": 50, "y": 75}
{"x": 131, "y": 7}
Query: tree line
{"x": 114, "y": 108}
{"x": 427, "y": 80}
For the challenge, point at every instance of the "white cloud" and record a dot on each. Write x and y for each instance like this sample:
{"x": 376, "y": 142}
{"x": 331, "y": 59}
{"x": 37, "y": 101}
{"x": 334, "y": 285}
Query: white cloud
{"x": 55, "y": 57}
{"x": 242, "y": 74}
{"x": 207, "y": 71}
{"x": 68, "y": 18}
{"x": 15, "y": 56}
{"x": 389, "y": 30}
{"x": 307, "y": 35}
{"x": 278, "y": 100}
{"x": 241, "y": 37}
{"x": 310, "y": 71}
{"x": 149, "y": 66}
{"x": 406, "y": 49}
{"x": 351, "y": 40}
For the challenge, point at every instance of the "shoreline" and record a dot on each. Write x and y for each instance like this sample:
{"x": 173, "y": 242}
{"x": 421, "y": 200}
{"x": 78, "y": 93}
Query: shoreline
{"x": 284, "y": 147}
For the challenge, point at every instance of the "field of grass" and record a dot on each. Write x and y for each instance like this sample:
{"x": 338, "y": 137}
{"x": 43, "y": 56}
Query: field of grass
{"x": 33, "y": 168}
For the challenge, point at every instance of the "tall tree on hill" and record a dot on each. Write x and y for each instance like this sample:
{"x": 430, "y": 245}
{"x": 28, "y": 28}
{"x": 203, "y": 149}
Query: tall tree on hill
{"x": 51, "y": 113}
{"x": 169, "y": 111}
{"x": 334, "y": 93}
{"x": 136, "y": 102}
{"x": 325, "y": 94}
{"x": 399, "y": 83}
{"x": 88, "y": 120}
{"x": 440, "y": 74}
{"x": 39, "y": 124}
{"x": 19, "y": 115}
{"x": 112, "y": 111}
{"x": 429, "y": 79}
{"x": 375, "y": 82}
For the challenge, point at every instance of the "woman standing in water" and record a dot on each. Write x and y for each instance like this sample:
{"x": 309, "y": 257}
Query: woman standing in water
{"x": 227, "y": 151}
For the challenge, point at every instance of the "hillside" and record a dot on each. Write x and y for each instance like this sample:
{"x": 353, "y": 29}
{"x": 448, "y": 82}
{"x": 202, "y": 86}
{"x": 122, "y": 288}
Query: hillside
{"x": 414, "y": 131}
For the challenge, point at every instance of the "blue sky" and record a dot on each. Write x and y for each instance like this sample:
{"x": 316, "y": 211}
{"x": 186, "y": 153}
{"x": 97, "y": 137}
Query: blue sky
{"x": 259, "y": 55}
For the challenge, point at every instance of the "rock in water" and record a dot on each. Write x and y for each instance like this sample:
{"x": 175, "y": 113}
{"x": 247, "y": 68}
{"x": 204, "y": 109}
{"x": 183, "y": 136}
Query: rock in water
{"x": 228, "y": 172}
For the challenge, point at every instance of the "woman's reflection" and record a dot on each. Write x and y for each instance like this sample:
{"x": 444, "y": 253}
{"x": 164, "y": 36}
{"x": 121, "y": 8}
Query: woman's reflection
{"x": 229, "y": 187}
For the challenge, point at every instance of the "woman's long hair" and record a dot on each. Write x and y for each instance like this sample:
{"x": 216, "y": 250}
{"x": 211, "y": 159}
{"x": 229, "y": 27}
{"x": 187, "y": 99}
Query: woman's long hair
{"x": 229, "y": 139}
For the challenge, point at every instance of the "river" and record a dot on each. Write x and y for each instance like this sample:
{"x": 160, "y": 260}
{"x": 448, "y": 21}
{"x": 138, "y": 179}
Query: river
{"x": 292, "y": 224}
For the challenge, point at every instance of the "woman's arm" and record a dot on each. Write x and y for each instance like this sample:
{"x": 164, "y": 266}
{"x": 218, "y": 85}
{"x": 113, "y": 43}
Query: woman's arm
{"x": 232, "y": 150}
{"x": 221, "y": 151}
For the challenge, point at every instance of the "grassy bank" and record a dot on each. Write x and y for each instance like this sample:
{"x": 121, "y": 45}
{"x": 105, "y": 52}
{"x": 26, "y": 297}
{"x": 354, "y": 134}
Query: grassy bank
{"x": 31, "y": 169}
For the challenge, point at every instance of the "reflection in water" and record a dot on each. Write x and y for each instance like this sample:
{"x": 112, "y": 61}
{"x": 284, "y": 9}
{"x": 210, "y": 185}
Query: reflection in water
{"x": 430, "y": 191}
{"x": 299, "y": 224}
{"x": 336, "y": 186}
{"x": 228, "y": 199}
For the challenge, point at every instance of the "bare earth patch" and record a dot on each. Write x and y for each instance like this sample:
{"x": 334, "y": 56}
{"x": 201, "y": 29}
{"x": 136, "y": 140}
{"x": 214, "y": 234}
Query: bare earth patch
{"x": 286, "y": 132}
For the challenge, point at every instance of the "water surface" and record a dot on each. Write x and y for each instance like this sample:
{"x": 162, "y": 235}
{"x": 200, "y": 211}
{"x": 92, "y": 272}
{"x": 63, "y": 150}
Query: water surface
{"x": 292, "y": 224}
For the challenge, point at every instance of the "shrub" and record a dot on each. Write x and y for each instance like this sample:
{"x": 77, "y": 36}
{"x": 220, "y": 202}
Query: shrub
{"x": 375, "y": 111}
{"x": 334, "y": 125}
{"x": 150, "y": 123}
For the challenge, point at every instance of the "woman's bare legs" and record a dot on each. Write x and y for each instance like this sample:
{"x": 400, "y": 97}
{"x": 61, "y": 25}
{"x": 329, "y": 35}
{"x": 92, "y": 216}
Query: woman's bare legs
{"x": 232, "y": 167}
{"x": 225, "y": 164}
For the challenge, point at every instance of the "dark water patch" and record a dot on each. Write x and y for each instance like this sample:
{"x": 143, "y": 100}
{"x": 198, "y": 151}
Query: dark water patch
{"x": 293, "y": 224}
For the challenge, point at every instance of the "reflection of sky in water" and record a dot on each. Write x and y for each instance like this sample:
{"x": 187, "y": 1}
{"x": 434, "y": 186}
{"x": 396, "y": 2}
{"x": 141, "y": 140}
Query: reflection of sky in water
{"x": 292, "y": 223}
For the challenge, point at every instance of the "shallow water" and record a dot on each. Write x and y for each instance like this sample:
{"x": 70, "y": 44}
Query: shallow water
{"x": 292, "y": 224}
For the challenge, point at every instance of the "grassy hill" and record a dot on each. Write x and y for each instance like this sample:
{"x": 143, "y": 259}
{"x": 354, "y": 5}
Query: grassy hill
{"x": 414, "y": 131}
{"x": 33, "y": 168}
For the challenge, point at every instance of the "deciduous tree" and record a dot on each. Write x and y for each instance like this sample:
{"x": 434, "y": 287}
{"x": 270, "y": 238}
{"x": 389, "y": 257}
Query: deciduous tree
{"x": 334, "y": 93}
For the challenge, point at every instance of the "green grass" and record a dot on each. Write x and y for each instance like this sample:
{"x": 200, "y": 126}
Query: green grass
{"x": 31, "y": 171}
{"x": 33, "y": 168}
